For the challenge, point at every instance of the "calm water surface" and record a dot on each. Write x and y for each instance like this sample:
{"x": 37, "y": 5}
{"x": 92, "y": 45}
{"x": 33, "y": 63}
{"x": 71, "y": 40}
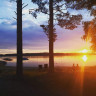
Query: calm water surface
{"x": 34, "y": 61}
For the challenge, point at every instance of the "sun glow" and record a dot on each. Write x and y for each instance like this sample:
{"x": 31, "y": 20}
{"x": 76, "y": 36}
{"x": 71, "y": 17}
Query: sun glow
{"x": 84, "y": 51}
{"x": 84, "y": 58}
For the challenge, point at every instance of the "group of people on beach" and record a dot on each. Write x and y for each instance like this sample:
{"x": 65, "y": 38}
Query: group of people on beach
{"x": 75, "y": 68}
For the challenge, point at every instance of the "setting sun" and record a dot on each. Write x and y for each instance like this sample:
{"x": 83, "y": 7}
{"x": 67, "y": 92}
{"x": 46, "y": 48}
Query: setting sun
{"x": 84, "y": 51}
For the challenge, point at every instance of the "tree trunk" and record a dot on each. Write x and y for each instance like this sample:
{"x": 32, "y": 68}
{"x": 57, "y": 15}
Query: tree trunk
{"x": 19, "y": 69}
{"x": 51, "y": 48}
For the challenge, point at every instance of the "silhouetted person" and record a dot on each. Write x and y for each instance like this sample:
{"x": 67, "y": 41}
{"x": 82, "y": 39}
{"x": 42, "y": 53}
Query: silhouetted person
{"x": 77, "y": 67}
{"x": 73, "y": 67}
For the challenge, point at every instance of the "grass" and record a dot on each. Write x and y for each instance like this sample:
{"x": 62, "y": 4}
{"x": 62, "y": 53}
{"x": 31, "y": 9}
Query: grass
{"x": 63, "y": 82}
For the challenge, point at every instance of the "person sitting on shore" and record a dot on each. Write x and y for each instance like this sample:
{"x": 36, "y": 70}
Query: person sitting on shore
{"x": 77, "y": 67}
{"x": 73, "y": 67}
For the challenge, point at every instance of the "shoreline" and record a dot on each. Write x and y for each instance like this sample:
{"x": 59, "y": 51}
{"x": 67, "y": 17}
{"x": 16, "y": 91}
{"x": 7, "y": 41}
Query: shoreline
{"x": 47, "y": 54}
{"x": 62, "y": 68}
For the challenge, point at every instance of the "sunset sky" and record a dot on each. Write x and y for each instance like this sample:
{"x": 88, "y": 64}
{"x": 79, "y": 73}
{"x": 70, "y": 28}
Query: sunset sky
{"x": 34, "y": 39}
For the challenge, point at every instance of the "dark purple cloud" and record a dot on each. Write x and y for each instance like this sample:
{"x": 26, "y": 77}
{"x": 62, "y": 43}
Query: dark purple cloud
{"x": 33, "y": 35}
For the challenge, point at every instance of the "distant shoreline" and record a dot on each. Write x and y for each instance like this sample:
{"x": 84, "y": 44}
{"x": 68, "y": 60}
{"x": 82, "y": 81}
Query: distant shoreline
{"x": 47, "y": 54}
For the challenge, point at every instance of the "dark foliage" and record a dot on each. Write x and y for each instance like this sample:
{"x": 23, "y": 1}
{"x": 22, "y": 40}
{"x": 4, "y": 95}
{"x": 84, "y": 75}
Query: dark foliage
{"x": 61, "y": 15}
{"x": 89, "y": 26}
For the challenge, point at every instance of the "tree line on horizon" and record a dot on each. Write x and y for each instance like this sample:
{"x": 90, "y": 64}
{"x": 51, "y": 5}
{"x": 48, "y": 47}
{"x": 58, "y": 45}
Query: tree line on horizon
{"x": 56, "y": 11}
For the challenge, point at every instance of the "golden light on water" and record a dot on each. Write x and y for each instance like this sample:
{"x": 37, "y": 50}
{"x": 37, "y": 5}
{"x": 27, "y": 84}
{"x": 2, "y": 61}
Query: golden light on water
{"x": 84, "y": 58}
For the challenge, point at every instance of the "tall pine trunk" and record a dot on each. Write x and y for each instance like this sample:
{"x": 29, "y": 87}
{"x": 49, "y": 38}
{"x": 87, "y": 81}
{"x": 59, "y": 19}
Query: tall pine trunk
{"x": 19, "y": 69}
{"x": 51, "y": 45}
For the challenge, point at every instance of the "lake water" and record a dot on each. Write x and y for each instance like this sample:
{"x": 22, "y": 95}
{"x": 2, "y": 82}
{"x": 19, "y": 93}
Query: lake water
{"x": 34, "y": 61}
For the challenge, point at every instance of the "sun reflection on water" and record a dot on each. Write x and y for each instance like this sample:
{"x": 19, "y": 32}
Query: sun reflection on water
{"x": 84, "y": 58}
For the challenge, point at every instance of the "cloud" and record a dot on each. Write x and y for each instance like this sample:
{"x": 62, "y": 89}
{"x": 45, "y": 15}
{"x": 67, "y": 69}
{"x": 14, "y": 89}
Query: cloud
{"x": 33, "y": 35}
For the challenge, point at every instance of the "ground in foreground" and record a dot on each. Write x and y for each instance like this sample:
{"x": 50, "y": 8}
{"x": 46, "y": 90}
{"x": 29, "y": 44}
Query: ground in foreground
{"x": 60, "y": 83}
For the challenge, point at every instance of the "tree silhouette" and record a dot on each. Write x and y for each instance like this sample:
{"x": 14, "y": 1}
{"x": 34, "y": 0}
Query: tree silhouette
{"x": 19, "y": 70}
{"x": 90, "y": 25}
{"x": 57, "y": 11}
{"x": 90, "y": 33}
{"x": 19, "y": 67}
{"x": 81, "y": 4}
